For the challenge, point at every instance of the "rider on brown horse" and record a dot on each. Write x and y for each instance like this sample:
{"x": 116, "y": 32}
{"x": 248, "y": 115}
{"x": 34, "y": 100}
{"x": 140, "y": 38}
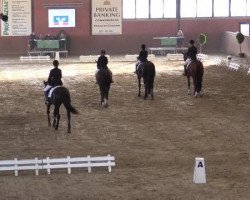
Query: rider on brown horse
{"x": 54, "y": 80}
{"x": 102, "y": 62}
{"x": 191, "y": 55}
{"x": 143, "y": 57}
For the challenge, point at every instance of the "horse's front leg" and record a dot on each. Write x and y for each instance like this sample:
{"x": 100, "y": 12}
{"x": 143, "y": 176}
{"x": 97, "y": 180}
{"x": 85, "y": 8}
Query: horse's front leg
{"x": 188, "y": 79}
{"x": 48, "y": 115}
{"x": 69, "y": 124}
{"x": 139, "y": 85}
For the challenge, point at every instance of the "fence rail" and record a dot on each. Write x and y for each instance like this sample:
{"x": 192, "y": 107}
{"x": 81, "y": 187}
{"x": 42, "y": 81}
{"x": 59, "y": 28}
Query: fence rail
{"x": 57, "y": 163}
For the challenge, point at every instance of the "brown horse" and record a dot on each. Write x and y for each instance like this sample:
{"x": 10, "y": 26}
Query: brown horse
{"x": 195, "y": 70}
{"x": 104, "y": 80}
{"x": 60, "y": 95}
{"x": 146, "y": 70}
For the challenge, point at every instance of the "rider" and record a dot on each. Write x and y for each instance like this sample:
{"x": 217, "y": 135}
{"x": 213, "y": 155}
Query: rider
{"x": 191, "y": 55}
{"x": 102, "y": 62}
{"x": 54, "y": 80}
{"x": 142, "y": 57}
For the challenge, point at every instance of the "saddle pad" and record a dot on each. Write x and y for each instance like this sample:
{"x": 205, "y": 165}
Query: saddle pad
{"x": 52, "y": 90}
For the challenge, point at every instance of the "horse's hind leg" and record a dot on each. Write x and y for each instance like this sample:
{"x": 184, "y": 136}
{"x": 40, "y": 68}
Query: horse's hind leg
{"x": 69, "y": 124}
{"x": 146, "y": 91}
{"x": 56, "y": 118}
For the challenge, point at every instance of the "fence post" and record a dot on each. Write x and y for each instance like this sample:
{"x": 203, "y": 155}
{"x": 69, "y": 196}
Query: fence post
{"x": 89, "y": 164}
{"x": 16, "y": 170}
{"x": 48, "y": 165}
{"x": 109, "y": 162}
{"x": 36, "y": 159}
{"x": 69, "y": 168}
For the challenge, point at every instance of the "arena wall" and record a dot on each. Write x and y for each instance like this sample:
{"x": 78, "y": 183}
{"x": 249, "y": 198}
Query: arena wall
{"x": 134, "y": 32}
{"x": 231, "y": 46}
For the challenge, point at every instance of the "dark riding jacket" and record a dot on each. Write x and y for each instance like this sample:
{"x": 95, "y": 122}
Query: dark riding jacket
{"x": 192, "y": 52}
{"x": 102, "y": 61}
{"x": 143, "y": 56}
{"x": 55, "y": 76}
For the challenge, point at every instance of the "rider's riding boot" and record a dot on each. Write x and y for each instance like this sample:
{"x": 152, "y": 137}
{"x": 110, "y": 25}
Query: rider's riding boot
{"x": 46, "y": 99}
{"x": 185, "y": 70}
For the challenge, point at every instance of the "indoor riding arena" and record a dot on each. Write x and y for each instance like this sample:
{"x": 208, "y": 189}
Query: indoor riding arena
{"x": 175, "y": 144}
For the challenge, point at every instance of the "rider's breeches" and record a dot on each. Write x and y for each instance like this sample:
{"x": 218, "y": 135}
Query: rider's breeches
{"x": 137, "y": 65}
{"x": 187, "y": 62}
{"x": 47, "y": 88}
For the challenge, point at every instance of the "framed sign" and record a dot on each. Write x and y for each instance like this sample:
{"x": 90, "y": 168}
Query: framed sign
{"x": 106, "y": 17}
{"x": 19, "y": 18}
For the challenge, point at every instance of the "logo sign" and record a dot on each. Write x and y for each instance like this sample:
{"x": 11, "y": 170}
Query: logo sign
{"x": 61, "y": 20}
{"x": 106, "y": 17}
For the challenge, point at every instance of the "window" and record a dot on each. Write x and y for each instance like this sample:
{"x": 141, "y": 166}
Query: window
{"x": 248, "y": 7}
{"x": 238, "y": 8}
{"x": 142, "y": 9}
{"x": 128, "y": 9}
{"x": 169, "y": 9}
{"x": 245, "y": 29}
{"x": 204, "y": 8}
{"x": 156, "y": 8}
{"x": 188, "y": 8}
{"x": 221, "y": 8}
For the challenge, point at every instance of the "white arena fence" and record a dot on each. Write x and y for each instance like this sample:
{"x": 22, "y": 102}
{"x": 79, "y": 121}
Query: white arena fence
{"x": 57, "y": 163}
{"x": 175, "y": 56}
{"x": 34, "y": 58}
{"x": 90, "y": 58}
{"x": 234, "y": 66}
{"x": 248, "y": 72}
{"x": 133, "y": 57}
{"x": 201, "y": 57}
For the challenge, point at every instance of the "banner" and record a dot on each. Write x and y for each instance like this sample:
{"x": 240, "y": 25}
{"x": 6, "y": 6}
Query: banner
{"x": 106, "y": 17}
{"x": 19, "y": 22}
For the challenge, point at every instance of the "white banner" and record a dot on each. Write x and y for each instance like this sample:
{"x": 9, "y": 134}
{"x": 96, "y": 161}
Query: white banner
{"x": 106, "y": 17}
{"x": 19, "y": 21}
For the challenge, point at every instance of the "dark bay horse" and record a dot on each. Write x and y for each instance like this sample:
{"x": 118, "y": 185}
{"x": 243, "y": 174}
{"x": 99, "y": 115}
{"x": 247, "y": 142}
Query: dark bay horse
{"x": 146, "y": 70}
{"x": 104, "y": 80}
{"x": 59, "y": 96}
{"x": 195, "y": 70}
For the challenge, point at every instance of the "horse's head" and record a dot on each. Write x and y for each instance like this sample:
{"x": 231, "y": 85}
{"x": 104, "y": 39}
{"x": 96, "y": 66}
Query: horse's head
{"x": 184, "y": 56}
{"x": 45, "y": 83}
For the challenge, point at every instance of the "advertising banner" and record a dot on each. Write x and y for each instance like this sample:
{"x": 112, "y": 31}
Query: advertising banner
{"x": 106, "y": 17}
{"x": 19, "y": 22}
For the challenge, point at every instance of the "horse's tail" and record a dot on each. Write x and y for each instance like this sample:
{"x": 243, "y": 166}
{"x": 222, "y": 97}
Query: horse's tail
{"x": 199, "y": 75}
{"x": 199, "y": 70}
{"x": 69, "y": 107}
{"x": 72, "y": 110}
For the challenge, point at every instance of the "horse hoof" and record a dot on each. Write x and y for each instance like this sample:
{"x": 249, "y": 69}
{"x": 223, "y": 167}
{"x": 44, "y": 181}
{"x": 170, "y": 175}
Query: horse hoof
{"x": 188, "y": 92}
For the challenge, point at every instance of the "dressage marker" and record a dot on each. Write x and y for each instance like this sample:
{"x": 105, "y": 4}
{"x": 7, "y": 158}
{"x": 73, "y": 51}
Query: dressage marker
{"x": 34, "y": 58}
{"x": 199, "y": 171}
{"x": 248, "y": 72}
{"x": 233, "y": 66}
{"x": 57, "y": 163}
